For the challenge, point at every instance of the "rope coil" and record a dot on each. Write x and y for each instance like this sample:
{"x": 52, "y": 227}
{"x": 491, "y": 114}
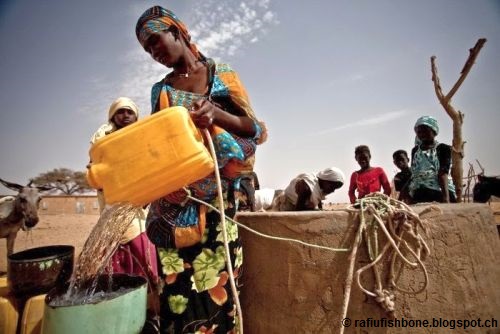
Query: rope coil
{"x": 400, "y": 225}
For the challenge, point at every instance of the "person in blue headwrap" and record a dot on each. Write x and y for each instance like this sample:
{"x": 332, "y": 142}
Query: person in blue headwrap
{"x": 196, "y": 296}
{"x": 430, "y": 165}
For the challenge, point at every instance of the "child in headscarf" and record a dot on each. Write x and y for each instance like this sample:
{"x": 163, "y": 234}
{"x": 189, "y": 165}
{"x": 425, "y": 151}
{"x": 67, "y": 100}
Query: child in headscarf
{"x": 136, "y": 254}
{"x": 367, "y": 179}
{"x": 430, "y": 165}
{"x": 307, "y": 191}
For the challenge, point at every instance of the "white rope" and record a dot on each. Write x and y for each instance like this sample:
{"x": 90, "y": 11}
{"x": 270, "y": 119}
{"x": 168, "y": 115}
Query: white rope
{"x": 350, "y": 272}
{"x": 267, "y": 236}
{"x": 229, "y": 265}
{"x": 396, "y": 215}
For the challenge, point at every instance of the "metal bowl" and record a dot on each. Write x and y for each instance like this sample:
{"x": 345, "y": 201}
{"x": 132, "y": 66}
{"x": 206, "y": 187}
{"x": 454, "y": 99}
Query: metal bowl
{"x": 37, "y": 270}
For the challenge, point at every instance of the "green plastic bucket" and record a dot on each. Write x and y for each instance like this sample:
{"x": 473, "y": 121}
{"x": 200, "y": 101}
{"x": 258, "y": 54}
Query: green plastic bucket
{"x": 121, "y": 308}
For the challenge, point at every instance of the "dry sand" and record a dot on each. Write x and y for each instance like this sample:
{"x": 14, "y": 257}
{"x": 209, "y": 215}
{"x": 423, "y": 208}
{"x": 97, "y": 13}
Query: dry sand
{"x": 66, "y": 229}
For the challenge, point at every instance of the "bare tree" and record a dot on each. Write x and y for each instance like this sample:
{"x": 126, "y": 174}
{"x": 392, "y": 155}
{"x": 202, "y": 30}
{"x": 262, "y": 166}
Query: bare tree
{"x": 63, "y": 180}
{"x": 456, "y": 116}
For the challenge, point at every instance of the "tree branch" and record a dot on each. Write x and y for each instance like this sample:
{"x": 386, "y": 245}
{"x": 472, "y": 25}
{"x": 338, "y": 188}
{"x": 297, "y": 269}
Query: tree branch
{"x": 439, "y": 91}
{"x": 435, "y": 79}
{"x": 473, "y": 53}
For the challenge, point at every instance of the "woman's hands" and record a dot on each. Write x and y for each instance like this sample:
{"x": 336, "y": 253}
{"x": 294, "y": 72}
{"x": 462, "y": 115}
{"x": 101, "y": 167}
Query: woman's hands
{"x": 203, "y": 113}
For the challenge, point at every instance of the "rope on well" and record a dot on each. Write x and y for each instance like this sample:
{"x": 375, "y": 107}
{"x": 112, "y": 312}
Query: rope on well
{"x": 267, "y": 236}
{"x": 400, "y": 225}
{"x": 396, "y": 220}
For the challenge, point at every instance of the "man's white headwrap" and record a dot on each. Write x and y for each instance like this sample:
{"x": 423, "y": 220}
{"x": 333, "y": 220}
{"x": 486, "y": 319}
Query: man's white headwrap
{"x": 332, "y": 174}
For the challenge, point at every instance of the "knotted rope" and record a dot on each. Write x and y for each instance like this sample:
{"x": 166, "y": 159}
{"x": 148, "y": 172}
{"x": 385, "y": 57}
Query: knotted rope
{"x": 401, "y": 227}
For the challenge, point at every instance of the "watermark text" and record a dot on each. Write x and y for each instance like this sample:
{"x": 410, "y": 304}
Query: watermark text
{"x": 419, "y": 323}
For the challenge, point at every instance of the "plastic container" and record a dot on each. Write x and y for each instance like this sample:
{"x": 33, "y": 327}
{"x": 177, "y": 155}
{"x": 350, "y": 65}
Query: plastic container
{"x": 4, "y": 288}
{"x": 35, "y": 271}
{"x": 8, "y": 314}
{"x": 124, "y": 312}
{"x": 31, "y": 322}
{"x": 149, "y": 159}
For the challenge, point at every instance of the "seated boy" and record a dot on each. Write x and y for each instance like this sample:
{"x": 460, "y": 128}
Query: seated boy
{"x": 402, "y": 179}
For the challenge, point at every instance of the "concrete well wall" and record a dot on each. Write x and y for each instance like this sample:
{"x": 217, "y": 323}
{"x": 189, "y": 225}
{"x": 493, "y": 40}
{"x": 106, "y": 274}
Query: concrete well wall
{"x": 290, "y": 288}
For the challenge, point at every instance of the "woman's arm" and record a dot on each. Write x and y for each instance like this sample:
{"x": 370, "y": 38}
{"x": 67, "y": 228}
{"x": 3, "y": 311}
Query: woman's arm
{"x": 444, "y": 157}
{"x": 352, "y": 188}
{"x": 443, "y": 183}
{"x": 206, "y": 113}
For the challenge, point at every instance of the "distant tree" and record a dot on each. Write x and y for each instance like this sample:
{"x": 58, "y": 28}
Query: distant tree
{"x": 63, "y": 180}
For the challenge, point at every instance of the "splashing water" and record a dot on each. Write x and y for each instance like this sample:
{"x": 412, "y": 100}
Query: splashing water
{"x": 101, "y": 244}
{"x": 82, "y": 297}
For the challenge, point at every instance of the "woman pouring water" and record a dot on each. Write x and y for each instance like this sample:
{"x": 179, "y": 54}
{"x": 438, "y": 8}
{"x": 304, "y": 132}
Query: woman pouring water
{"x": 197, "y": 294}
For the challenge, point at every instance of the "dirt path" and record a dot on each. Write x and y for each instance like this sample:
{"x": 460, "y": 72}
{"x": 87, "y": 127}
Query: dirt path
{"x": 67, "y": 229}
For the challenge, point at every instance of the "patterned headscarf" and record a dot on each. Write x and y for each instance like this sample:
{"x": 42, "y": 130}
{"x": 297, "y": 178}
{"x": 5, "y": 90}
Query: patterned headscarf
{"x": 157, "y": 19}
{"x": 429, "y": 121}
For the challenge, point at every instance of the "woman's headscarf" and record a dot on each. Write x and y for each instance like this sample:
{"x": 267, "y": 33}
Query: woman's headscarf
{"x": 122, "y": 103}
{"x": 157, "y": 19}
{"x": 109, "y": 127}
{"x": 429, "y": 121}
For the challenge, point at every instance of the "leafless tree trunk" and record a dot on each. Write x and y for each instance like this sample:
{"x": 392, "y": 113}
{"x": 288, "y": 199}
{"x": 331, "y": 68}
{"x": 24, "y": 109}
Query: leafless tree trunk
{"x": 456, "y": 116}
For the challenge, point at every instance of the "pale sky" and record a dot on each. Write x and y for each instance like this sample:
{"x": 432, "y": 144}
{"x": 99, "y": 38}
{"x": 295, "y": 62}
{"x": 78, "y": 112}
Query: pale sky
{"x": 325, "y": 76}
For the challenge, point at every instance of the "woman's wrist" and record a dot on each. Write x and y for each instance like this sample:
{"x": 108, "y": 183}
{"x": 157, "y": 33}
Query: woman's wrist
{"x": 216, "y": 113}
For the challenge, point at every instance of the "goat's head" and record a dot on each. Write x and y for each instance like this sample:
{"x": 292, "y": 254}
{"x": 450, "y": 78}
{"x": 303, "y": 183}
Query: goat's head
{"x": 27, "y": 202}
{"x": 481, "y": 192}
{"x": 485, "y": 187}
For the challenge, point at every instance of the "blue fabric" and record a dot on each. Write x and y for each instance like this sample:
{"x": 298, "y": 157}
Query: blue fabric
{"x": 227, "y": 148}
{"x": 218, "y": 88}
{"x": 188, "y": 216}
{"x": 425, "y": 170}
{"x": 429, "y": 121}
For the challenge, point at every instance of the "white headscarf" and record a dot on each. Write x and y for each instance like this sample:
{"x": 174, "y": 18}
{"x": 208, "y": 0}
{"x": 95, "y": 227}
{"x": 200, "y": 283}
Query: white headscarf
{"x": 107, "y": 128}
{"x": 122, "y": 103}
{"x": 332, "y": 174}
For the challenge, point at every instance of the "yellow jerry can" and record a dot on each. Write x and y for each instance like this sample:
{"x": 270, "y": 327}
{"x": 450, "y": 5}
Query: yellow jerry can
{"x": 4, "y": 287}
{"x": 31, "y": 322}
{"x": 150, "y": 158}
{"x": 8, "y": 314}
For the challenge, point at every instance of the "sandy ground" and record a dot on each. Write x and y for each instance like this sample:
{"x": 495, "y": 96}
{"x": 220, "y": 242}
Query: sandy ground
{"x": 73, "y": 229}
{"x": 67, "y": 229}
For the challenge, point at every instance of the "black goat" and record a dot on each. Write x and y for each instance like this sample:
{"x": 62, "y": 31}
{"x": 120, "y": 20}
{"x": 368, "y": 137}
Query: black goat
{"x": 486, "y": 187}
